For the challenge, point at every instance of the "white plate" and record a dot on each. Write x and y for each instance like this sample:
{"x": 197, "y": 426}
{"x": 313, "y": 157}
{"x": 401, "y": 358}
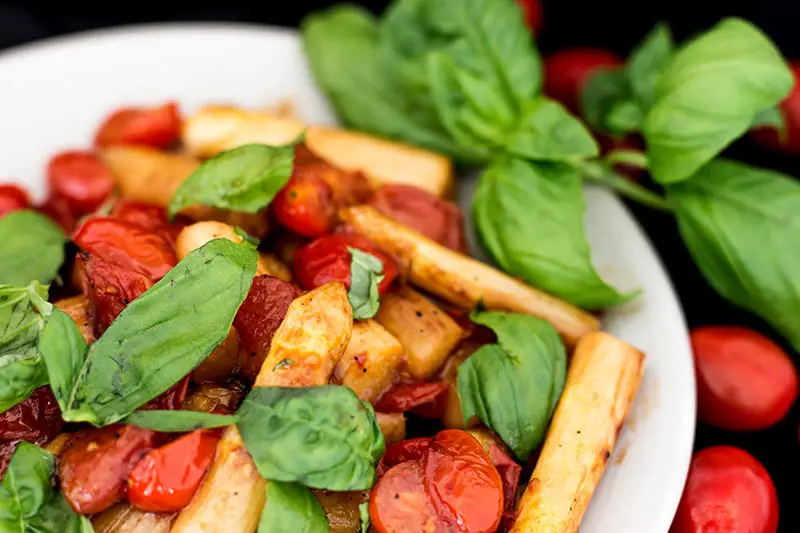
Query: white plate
{"x": 55, "y": 92}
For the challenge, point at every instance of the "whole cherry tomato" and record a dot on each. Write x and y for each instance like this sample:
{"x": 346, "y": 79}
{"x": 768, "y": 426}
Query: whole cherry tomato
{"x": 126, "y": 244}
{"x": 420, "y": 210}
{"x": 532, "y": 11}
{"x": 328, "y": 259}
{"x": 305, "y": 206}
{"x": 165, "y": 479}
{"x": 81, "y": 179}
{"x": 36, "y": 420}
{"x": 790, "y": 110}
{"x": 12, "y": 198}
{"x": 148, "y": 216}
{"x": 159, "y": 127}
{"x": 745, "y": 381}
{"x": 727, "y": 491}
{"x": 566, "y": 72}
{"x": 424, "y": 398}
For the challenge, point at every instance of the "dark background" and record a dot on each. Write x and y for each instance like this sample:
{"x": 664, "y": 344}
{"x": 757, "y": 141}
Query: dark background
{"x": 614, "y": 24}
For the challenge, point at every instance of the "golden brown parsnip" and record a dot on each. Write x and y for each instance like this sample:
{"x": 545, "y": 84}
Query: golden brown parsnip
{"x": 462, "y": 280}
{"x": 123, "y": 518}
{"x": 341, "y": 509}
{"x": 196, "y": 235}
{"x": 426, "y": 332}
{"x": 217, "y": 128}
{"x": 77, "y": 307}
{"x": 452, "y": 417}
{"x": 371, "y": 361}
{"x": 602, "y": 380}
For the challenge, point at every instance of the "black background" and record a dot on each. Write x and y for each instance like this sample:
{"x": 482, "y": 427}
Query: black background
{"x": 614, "y": 24}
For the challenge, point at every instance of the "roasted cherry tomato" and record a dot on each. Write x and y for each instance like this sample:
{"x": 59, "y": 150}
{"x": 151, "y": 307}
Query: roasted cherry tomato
{"x": 435, "y": 218}
{"x": 81, "y": 179}
{"x": 36, "y": 420}
{"x": 532, "y": 11}
{"x": 166, "y": 479}
{"x": 305, "y": 206}
{"x": 510, "y": 472}
{"x": 126, "y": 244}
{"x": 159, "y": 127}
{"x": 96, "y": 462}
{"x": 566, "y": 72}
{"x": 58, "y": 209}
{"x": 790, "y": 109}
{"x": 259, "y": 316}
{"x": 110, "y": 288}
{"x": 348, "y": 188}
{"x": 745, "y": 381}
{"x": 453, "y": 487}
{"x": 400, "y": 452}
{"x": 727, "y": 491}
{"x": 328, "y": 259}
{"x": 170, "y": 399}
{"x": 12, "y": 198}
{"x": 428, "y": 399}
{"x": 148, "y": 216}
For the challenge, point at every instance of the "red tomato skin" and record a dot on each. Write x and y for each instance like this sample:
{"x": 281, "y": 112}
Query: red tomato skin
{"x": 727, "y": 491}
{"x": 148, "y": 216}
{"x": 532, "y": 12}
{"x": 59, "y": 211}
{"x": 348, "y": 188}
{"x": 305, "y": 206}
{"x": 166, "y": 479}
{"x": 327, "y": 259}
{"x": 36, "y": 420}
{"x": 398, "y": 503}
{"x": 745, "y": 382}
{"x": 159, "y": 127}
{"x": 567, "y": 71}
{"x": 510, "y": 472}
{"x": 424, "y": 212}
{"x": 790, "y": 109}
{"x": 12, "y": 198}
{"x": 126, "y": 244}
{"x": 170, "y": 399}
{"x": 259, "y": 317}
{"x": 400, "y": 452}
{"x": 96, "y": 462}
{"x": 425, "y": 397}
{"x": 81, "y": 179}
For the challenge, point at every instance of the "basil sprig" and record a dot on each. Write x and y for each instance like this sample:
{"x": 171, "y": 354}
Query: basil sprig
{"x": 32, "y": 248}
{"x": 292, "y": 508}
{"x": 365, "y": 276}
{"x": 513, "y": 386}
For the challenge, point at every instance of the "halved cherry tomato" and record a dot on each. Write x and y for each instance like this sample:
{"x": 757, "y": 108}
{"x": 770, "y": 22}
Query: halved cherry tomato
{"x": 532, "y": 11}
{"x": 428, "y": 399}
{"x": 81, "y": 179}
{"x": 400, "y": 452}
{"x": 420, "y": 210}
{"x": 126, "y": 244}
{"x": 348, "y": 188}
{"x": 305, "y": 205}
{"x": 12, "y": 198}
{"x": 745, "y": 382}
{"x": 96, "y": 462}
{"x": 328, "y": 259}
{"x": 36, "y": 420}
{"x": 166, "y": 479}
{"x": 566, "y": 72}
{"x": 159, "y": 127}
{"x": 148, "y": 216}
{"x": 727, "y": 491}
{"x": 790, "y": 109}
{"x": 110, "y": 288}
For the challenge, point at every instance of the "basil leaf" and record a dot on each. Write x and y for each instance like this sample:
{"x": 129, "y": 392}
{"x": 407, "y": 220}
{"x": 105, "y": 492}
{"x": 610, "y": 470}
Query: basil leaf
{"x": 32, "y": 248}
{"x": 246, "y": 237}
{"x": 365, "y": 270}
{"x": 513, "y": 387}
{"x": 292, "y": 508}
{"x": 363, "y": 511}
{"x": 647, "y": 61}
{"x": 156, "y": 340}
{"x": 323, "y": 437}
{"x": 548, "y": 132}
{"x": 245, "y": 179}
{"x": 624, "y": 117}
{"x": 739, "y": 223}
{"x": 604, "y": 89}
{"x": 177, "y": 420}
{"x": 21, "y": 366}
{"x": 709, "y": 95}
{"x": 545, "y": 245}
{"x": 28, "y": 503}
{"x": 771, "y": 116}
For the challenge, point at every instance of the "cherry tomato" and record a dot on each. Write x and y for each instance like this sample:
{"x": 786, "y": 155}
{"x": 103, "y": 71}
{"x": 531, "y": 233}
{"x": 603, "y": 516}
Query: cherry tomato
{"x": 166, "y": 479}
{"x": 150, "y": 217}
{"x": 745, "y": 382}
{"x": 790, "y": 109}
{"x": 328, "y": 259}
{"x": 424, "y": 212}
{"x": 170, "y": 399}
{"x": 348, "y": 188}
{"x": 96, "y": 462}
{"x": 427, "y": 399}
{"x": 127, "y": 245}
{"x": 81, "y": 179}
{"x": 36, "y": 420}
{"x": 12, "y": 198}
{"x": 510, "y": 472}
{"x": 159, "y": 127}
{"x": 400, "y": 452}
{"x": 727, "y": 491}
{"x": 532, "y": 11}
{"x": 566, "y": 72}
{"x": 305, "y": 206}
{"x": 58, "y": 209}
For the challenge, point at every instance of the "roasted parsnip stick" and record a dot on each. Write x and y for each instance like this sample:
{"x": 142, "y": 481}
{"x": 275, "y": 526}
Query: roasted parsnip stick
{"x": 602, "y": 380}
{"x": 341, "y": 509}
{"x": 393, "y": 426}
{"x": 371, "y": 360}
{"x": 77, "y": 307}
{"x": 124, "y": 518}
{"x": 462, "y": 280}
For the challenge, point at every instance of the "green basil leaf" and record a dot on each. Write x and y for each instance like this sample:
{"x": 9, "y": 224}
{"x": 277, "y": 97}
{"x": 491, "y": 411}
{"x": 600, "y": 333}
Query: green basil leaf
{"x": 246, "y": 179}
{"x": 177, "y": 420}
{"x": 647, "y": 61}
{"x": 513, "y": 387}
{"x": 529, "y": 218}
{"x": 292, "y": 508}
{"x": 156, "y": 340}
{"x": 323, "y": 437}
{"x": 708, "y": 96}
{"x": 365, "y": 275}
{"x": 739, "y": 223}
{"x": 363, "y": 511}
{"x": 624, "y": 117}
{"x": 603, "y": 90}
{"x": 32, "y": 248}
{"x": 548, "y": 132}
{"x": 21, "y": 367}
{"x": 246, "y": 237}
{"x": 771, "y": 117}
